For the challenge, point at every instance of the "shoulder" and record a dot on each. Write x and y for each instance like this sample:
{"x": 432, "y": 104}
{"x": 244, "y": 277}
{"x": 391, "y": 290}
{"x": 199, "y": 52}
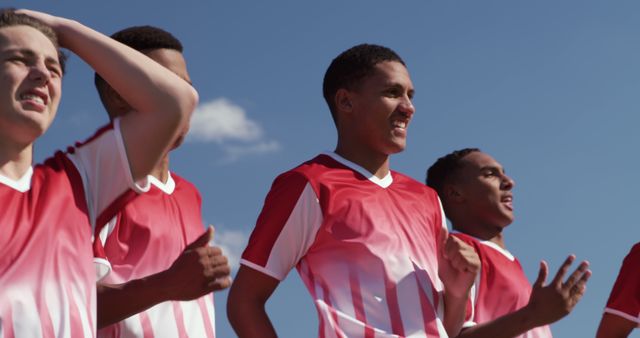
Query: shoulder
{"x": 182, "y": 182}
{"x": 402, "y": 181}
{"x": 103, "y": 131}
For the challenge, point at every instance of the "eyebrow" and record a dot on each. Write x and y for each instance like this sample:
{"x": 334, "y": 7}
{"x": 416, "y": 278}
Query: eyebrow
{"x": 493, "y": 167}
{"x": 396, "y": 85}
{"x": 30, "y": 53}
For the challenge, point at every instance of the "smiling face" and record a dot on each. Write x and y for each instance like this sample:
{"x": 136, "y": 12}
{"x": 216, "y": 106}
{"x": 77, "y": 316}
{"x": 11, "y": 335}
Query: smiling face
{"x": 483, "y": 191}
{"x": 380, "y": 109}
{"x": 30, "y": 83}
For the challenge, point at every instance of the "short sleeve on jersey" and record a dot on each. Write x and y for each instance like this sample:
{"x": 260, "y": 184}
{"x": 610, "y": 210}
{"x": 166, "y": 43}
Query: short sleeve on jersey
{"x": 286, "y": 227}
{"x": 624, "y": 300}
{"x": 105, "y": 172}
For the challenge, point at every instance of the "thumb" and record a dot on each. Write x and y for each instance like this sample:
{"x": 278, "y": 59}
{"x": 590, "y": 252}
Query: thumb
{"x": 542, "y": 275}
{"x": 203, "y": 240}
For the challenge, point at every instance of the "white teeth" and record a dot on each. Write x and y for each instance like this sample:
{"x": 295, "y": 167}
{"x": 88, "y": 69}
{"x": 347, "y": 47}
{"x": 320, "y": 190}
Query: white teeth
{"x": 33, "y": 98}
{"x": 400, "y": 124}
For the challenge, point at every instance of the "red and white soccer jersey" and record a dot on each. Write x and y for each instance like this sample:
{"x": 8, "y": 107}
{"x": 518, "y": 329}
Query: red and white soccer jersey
{"x": 145, "y": 238}
{"x": 47, "y": 278}
{"x": 366, "y": 248}
{"x": 501, "y": 286}
{"x": 624, "y": 300}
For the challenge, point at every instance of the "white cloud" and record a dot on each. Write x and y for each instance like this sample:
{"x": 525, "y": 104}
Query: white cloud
{"x": 221, "y": 120}
{"x": 235, "y": 152}
{"x": 232, "y": 243}
{"x": 227, "y": 124}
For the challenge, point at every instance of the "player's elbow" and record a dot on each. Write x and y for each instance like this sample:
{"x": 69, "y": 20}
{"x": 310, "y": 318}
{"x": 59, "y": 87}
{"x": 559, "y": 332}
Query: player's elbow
{"x": 238, "y": 303}
{"x": 185, "y": 106}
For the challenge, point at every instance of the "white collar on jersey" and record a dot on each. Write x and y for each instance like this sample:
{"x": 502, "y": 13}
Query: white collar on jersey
{"x": 22, "y": 184}
{"x": 492, "y": 245}
{"x": 383, "y": 182}
{"x": 167, "y": 188}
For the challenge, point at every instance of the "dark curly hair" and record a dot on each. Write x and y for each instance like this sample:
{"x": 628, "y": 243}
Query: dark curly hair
{"x": 445, "y": 167}
{"x": 351, "y": 66}
{"x": 142, "y": 39}
{"x": 8, "y": 18}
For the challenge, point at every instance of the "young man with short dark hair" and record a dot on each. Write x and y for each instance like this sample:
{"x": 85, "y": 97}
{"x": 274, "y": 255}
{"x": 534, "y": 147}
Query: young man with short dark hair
{"x": 160, "y": 269}
{"x": 477, "y": 198}
{"x": 369, "y": 243}
{"x": 47, "y": 277}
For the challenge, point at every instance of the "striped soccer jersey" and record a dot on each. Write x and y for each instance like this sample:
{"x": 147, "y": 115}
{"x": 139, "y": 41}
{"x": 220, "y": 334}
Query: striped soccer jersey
{"x": 145, "y": 238}
{"x": 366, "y": 248}
{"x": 47, "y": 279}
{"x": 624, "y": 300}
{"x": 501, "y": 286}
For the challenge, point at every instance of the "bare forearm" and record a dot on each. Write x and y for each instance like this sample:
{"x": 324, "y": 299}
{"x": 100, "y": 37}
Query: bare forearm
{"x": 145, "y": 85}
{"x": 118, "y": 302}
{"x": 507, "y": 326}
{"x": 250, "y": 320}
{"x": 454, "y": 313}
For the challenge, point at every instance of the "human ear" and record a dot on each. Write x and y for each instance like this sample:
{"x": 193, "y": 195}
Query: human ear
{"x": 453, "y": 193}
{"x": 343, "y": 100}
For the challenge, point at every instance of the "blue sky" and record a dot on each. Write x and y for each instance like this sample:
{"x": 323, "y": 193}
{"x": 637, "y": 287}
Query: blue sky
{"x": 549, "y": 88}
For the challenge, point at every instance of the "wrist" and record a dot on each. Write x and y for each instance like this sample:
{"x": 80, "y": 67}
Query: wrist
{"x": 528, "y": 317}
{"x": 160, "y": 285}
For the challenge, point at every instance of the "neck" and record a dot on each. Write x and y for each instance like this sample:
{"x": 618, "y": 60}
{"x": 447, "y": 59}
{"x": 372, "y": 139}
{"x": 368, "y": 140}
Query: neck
{"x": 15, "y": 160}
{"x": 375, "y": 163}
{"x": 491, "y": 233}
{"x": 161, "y": 170}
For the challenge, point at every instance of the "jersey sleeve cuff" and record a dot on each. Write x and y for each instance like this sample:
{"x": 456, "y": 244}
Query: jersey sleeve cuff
{"x": 261, "y": 269}
{"x": 103, "y": 268}
{"x": 140, "y": 186}
{"x": 469, "y": 324}
{"x": 624, "y": 315}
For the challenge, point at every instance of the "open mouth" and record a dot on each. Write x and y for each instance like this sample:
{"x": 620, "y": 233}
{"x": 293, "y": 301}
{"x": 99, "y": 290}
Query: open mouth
{"x": 36, "y": 97}
{"x": 507, "y": 200}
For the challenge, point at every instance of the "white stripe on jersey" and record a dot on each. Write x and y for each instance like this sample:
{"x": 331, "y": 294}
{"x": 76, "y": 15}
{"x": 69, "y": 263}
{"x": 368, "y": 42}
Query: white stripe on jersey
{"x": 24, "y": 312}
{"x": 306, "y": 211}
{"x": 208, "y": 301}
{"x": 79, "y": 300}
{"x": 159, "y": 324}
{"x": 191, "y": 310}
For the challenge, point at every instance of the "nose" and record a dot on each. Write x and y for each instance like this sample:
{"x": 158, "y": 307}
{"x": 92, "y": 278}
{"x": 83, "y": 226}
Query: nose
{"x": 406, "y": 106}
{"x": 40, "y": 73}
{"x": 507, "y": 182}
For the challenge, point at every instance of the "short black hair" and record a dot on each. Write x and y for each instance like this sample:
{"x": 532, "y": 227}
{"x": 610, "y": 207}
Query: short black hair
{"x": 445, "y": 167}
{"x": 351, "y": 66}
{"x": 8, "y": 18}
{"x": 142, "y": 39}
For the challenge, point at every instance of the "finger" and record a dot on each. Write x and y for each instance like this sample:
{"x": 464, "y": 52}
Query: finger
{"x": 442, "y": 242}
{"x": 542, "y": 275}
{"x": 575, "y": 276}
{"x": 219, "y": 284}
{"x": 557, "y": 280}
{"x": 213, "y": 232}
{"x": 201, "y": 241}
{"x": 578, "y": 290}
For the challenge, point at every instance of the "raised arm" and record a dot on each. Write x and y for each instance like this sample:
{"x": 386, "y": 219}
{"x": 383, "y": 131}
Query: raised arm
{"x": 246, "y": 303}
{"x": 161, "y": 100}
{"x": 547, "y": 304}
{"x": 458, "y": 266}
{"x": 199, "y": 270}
